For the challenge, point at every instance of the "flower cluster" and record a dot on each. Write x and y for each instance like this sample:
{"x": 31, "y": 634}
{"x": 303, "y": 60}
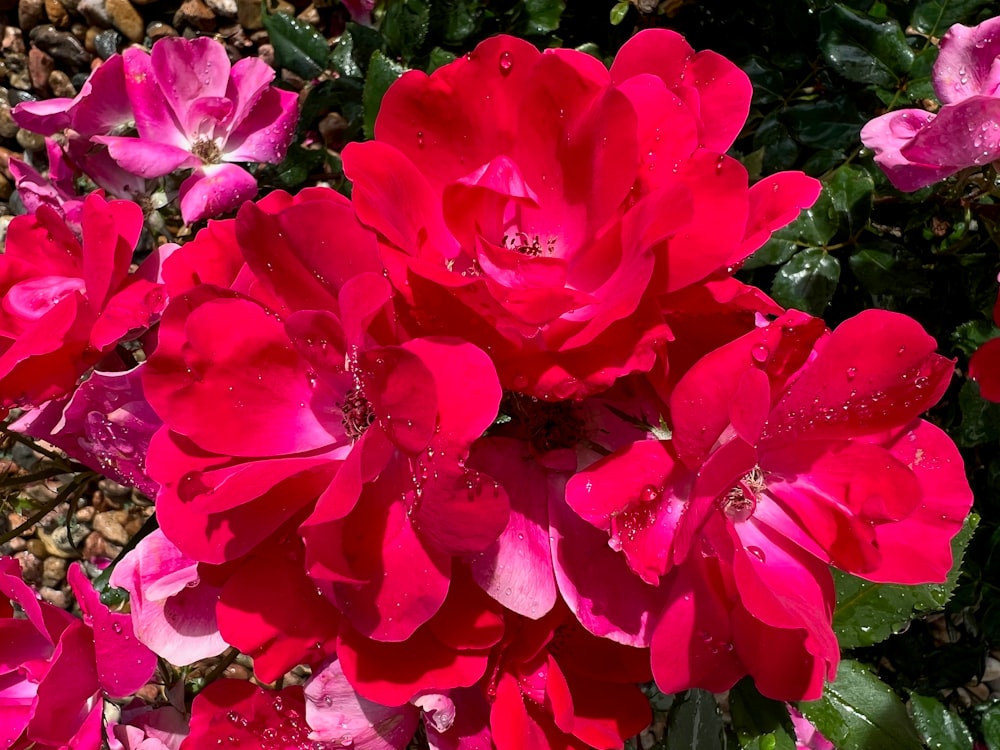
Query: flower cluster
{"x": 502, "y": 429}
{"x": 145, "y": 115}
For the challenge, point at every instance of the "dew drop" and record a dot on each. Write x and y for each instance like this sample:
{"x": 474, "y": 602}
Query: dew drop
{"x": 506, "y": 63}
{"x": 852, "y": 372}
{"x": 760, "y": 353}
{"x": 757, "y": 552}
{"x": 649, "y": 494}
{"x": 921, "y": 382}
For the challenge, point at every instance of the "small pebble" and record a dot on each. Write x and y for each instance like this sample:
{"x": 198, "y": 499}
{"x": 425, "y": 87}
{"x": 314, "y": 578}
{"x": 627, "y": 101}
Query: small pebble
{"x": 8, "y": 128}
{"x": 16, "y": 96}
{"x": 53, "y": 571}
{"x": 57, "y": 597}
{"x": 63, "y": 46}
{"x": 248, "y": 13}
{"x": 30, "y": 13}
{"x": 107, "y": 43}
{"x": 224, "y": 8}
{"x": 17, "y": 70}
{"x": 196, "y": 14}
{"x": 61, "y": 85}
{"x": 159, "y": 30}
{"x": 95, "y": 12}
{"x": 40, "y": 66}
{"x": 13, "y": 40}
{"x": 30, "y": 141}
{"x": 57, "y": 13}
{"x": 126, "y": 19}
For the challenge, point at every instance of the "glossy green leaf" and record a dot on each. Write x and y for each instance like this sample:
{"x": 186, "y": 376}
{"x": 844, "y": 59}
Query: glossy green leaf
{"x": 405, "y": 26}
{"x": 354, "y": 49}
{"x": 298, "y": 46}
{"x": 774, "y": 252}
{"x": 873, "y": 268}
{"x": 454, "y": 21}
{"x": 864, "y": 50}
{"x": 980, "y": 418}
{"x": 695, "y": 723}
{"x": 868, "y": 613}
{"x": 299, "y": 163}
{"x": 941, "y": 729}
{"x": 382, "y": 73}
{"x": 850, "y": 189}
{"x": 807, "y": 282}
{"x": 768, "y": 83}
{"x": 439, "y": 57}
{"x": 991, "y": 726}
{"x": 834, "y": 124}
{"x": 933, "y": 17}
{"x": 815, "y": 225}
{"x": 543, "y": 15}
{"x": 860, "y": 712}
{"x": 618, "y": 12}
{"x": 760, "y": 723}
{"x": 341, "y": 95}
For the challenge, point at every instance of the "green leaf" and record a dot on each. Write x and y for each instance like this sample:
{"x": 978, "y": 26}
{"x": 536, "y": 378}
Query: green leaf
{"x": 873, "y": 268}
{"x": 933, "y": 17}
{"x": 774, "y": 252}
{"x": 980, "y": 418}
{"x": 816, "y": 225}
{"x": 454, "y": 21}
{"x": 868, "y": 613}
{"x": 297, "y": 165}
{"x": 695, "y": 723}
{"x": 832, "y": 124}
{"x": 808, "y": 281}
{"x": 768, "y": 83}
{"x": 850, "y": 189}
{"x": 405, "y": 26}
{"x": 941, "y": 729}
{"x": 297, "y": 45}
{"x": 354, "y": 49}
{"x": 860, "y": 712}
{"x": 991, "y": 727}
{"x": 760, "y": 723}
{"x": 382, "y": 73}
{"x": 618, "y": 12}
{"x": 543, "y": 16}
{"x": 971, "y": 335}
{"x": 341, "y": 95}
{"x": 864, "y": 50}
{"x": 439, "y": 57}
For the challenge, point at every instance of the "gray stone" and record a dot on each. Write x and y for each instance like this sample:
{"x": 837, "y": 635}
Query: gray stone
{"x": 196, "y": 14}
{"x": 53, "y": 571}
{"x": 8, "y": 128}
{"x": 110, "y": 527}
{"x": 40, "y": 65}
{"x": 107, "y": 43}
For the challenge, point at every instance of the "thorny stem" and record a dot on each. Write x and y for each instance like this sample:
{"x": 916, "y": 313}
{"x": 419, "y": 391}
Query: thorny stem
{"x": 18, "y": 437}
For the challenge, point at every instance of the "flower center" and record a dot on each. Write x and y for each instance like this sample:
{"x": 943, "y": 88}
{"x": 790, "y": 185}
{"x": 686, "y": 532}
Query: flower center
{"x": 358, "y": 414}
{"x": 530, "y": 245}
{"x": 207, "y": 150}
{"x": 740, "y": 502}
{"x": 546, "y": 425}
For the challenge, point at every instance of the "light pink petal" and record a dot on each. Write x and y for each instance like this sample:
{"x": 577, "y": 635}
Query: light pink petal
{"x": 46, "y": 117}
{"x": 173, "y": 613}
{"x": 338, "y": 714}
{"x": 147, "y": 158}
{"x": 214, "y": 190}
{"x": 266, "y": 131}
{"x": 888, "y": 134}
{"x": 185, "y": 71}
{"x": 155, "y": 119}
{"x": 517, "y": 569}
{"x": 967, "y": 64}
{"x": 976, "y": 118}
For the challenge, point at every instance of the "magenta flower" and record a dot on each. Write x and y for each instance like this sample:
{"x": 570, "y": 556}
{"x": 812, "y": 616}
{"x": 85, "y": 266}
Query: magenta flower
{"x": 916, "y": 148}
{"x": 193, "y": 109}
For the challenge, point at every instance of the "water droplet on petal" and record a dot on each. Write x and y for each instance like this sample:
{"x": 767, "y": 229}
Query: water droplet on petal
{"x": 649, "y": 494}
{"x": 760, "y": 353}
{"x": 852, "y": 372}
{"x": 506, "y": 63}
{"x": 757, "y": 552}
